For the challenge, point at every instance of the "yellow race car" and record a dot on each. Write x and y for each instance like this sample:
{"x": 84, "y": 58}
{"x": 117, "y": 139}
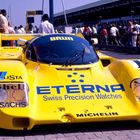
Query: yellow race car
{"x": 59, "y": 78}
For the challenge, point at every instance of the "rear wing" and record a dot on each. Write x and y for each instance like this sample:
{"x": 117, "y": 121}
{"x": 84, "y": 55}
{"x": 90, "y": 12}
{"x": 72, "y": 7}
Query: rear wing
{"x": 13, "y": 52}
{"x": 14, "y": 37}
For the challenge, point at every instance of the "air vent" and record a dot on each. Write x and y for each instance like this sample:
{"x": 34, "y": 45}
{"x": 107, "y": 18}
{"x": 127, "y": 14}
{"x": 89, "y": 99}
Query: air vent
{"x": 21, "y": 122}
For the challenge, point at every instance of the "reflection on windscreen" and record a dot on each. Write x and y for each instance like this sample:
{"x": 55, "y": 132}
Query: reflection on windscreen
{"x": 64, "y": 50}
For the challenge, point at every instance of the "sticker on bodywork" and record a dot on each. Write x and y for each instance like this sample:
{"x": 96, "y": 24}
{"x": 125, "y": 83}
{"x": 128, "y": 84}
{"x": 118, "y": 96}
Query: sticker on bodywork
{"x": 61, "y": 38}
{"x": 135, "y": 63}
{"x": 13, "y": 95}
{"x": 2, "y": 75}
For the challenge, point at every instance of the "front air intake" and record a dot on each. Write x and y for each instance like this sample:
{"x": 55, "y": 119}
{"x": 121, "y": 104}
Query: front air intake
{"x": 21, "y": 122}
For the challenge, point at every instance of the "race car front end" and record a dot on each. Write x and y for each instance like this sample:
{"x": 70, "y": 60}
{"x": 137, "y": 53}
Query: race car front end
{"x": 47, "y": 86}
{"x": 80, "y": 94}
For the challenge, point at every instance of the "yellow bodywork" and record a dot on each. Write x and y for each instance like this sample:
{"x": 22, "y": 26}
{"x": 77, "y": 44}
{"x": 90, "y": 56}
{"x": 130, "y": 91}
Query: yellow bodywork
{"x": 72, "y": 94}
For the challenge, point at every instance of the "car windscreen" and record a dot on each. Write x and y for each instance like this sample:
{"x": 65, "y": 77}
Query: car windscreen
{"x": 63, "y": 49}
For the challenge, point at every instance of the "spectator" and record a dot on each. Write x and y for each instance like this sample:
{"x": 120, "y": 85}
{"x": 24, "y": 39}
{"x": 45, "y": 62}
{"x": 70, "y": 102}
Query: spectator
{"x": 3, "y": 22}
{"x": 11, "y": 31}
{"x": 30, "y": 29}
{"x": 94, "y": 30}
{"x": 19, "y": 31}
{"x": 4, "y": 25}
{"x": 87, "y": 32}
{"x": 137, "y": 26}
{"x": 46, "y": 27}
{"x": 114, "y": 32}
{"x": 78, "y": 30}
{"x": 104, "y": 36}
{"x": 22, "y": 29}
{"x": 16, "y": 29}
{"x": 129, "y": 33}
{"x": 134, "y": 37}
{"x": 35, "y": 29}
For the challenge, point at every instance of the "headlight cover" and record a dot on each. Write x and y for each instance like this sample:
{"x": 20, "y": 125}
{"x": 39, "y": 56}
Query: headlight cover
{"x": 13, "y": 95}
{"x": 135, "y": 86}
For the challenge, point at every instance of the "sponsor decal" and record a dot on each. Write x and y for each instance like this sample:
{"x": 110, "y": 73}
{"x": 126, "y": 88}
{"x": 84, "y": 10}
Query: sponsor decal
{"x": 135, "y": 63}
{"x": 79, "y": 91}
{"x": 13, "y": 95}
{"x": 61, "y": 38}
{"x": 67, "y": 97}
{"x": 135, "y": 86}
{"x": 12, "y": 104}
{"x": 4, "y": 76}
{"x": 101, "y": 114}
{"x": 13, "y": 77}
{"x": 10, "y": 86}
{"x": 76, "y": 89}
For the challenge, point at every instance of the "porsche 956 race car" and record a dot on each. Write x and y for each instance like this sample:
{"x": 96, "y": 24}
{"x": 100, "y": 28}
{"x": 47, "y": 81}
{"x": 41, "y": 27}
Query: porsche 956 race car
{"x": 59, "y": 78}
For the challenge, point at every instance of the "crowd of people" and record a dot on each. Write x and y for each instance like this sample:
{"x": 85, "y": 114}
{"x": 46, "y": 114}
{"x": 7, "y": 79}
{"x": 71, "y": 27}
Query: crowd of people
{"x": 127, "y": 34}
{"x": 5, "y": 26}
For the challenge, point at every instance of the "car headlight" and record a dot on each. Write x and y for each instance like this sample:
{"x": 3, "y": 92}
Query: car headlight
{"x": 13, "y": 95}
{"x": 135, "y": 86}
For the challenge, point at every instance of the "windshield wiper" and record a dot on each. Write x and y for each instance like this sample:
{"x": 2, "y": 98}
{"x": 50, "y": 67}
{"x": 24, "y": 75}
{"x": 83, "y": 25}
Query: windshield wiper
{"x": 75, "y": 57}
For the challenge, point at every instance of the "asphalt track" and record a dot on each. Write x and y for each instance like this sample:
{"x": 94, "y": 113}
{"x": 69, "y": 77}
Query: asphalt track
{"x": 125, "y": 130}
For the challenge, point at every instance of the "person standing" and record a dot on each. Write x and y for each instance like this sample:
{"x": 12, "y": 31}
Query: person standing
{"x": 114, "y": 33}
{"x": 137, "y": 27}
{"x": 3, "y": 22}
{"x": 134, "y": 37}
{"x": 46, "y": 27}
{"x": 4, "y": 26}
{"x": 11, "y": 31}
{"x": 129, "y": 33}
{"x": 104, "y": 36}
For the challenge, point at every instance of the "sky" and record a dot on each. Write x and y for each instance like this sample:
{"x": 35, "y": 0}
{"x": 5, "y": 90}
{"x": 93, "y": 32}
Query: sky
{"x": 16, "y": 9}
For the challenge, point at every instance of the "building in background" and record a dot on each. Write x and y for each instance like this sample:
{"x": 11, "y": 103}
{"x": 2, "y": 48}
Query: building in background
{"x": 103, "y": 11}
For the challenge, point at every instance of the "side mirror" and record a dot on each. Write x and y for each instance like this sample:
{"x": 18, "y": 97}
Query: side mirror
{"x": 94, "y": 41}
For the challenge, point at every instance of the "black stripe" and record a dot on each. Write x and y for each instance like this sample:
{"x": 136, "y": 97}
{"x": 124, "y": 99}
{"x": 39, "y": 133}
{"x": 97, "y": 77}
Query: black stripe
{"x": 137, "y": 62}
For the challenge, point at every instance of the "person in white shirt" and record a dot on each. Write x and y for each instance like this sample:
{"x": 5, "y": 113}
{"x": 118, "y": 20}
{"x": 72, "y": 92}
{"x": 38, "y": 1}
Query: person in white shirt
{"x": 46, "y": 27}
{"x": 22, "y": 29}
{"x": 114, "y": 32}
{"x": 4, "y": 26}
{"x": 3, "y": 22}
{"x": 19, "y": 31}
{"x": 10, "y": 29}
{"x": 136, "y": 26}
{"x": 134, "y": 37}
